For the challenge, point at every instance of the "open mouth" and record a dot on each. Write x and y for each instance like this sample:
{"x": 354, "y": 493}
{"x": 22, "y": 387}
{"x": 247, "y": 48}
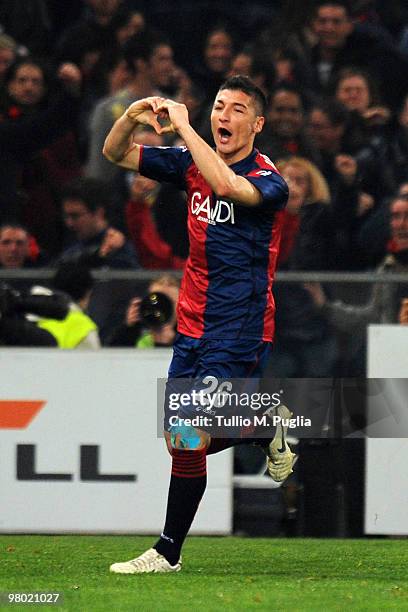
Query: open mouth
{"x": 224, "y": 135}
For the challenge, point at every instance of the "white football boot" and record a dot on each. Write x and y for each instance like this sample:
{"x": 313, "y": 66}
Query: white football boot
{"x": 280, "y": 457}
{"x": 150, "y": 562}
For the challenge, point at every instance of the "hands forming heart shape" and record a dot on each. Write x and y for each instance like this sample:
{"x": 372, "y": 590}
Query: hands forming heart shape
{"x": 150, "y": 111}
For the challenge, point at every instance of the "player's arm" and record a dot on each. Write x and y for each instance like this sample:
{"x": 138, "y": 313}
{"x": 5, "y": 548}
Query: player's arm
{"x": 119, "y": 147}
{"x": 222, "y": 180}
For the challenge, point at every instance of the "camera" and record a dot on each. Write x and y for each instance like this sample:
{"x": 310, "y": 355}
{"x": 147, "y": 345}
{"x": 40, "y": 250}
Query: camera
{"x": 156, "y": 309}
{"x": 51, "y": 306}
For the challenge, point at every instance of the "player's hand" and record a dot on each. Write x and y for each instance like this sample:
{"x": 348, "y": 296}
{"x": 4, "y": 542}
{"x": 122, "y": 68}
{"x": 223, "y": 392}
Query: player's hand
{"x": 175, "y": 113}
{"x": 133, "y": 312}
{"x": 316, "y": 293}
{"x": 346, "y": 166}
{"x": 70, "y": 75}
{"x": 114, "y": 240}
{"x": 403, "y": 313}
{"x": 145, "y": 112}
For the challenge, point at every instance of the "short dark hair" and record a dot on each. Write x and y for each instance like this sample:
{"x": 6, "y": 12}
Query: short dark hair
{"x": 92, "y": 192}
{"x": 74, "y": 279}
{"x": 245, "y": 84}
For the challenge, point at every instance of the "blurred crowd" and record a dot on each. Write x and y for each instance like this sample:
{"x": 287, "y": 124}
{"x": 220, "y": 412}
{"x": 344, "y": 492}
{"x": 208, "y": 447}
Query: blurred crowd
{"x": 336, "y": 77}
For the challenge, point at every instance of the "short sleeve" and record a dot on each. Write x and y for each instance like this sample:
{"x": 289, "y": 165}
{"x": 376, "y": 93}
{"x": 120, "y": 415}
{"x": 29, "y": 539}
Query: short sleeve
{"x": 168, "y": 164}
{"x": 272, "y": 186}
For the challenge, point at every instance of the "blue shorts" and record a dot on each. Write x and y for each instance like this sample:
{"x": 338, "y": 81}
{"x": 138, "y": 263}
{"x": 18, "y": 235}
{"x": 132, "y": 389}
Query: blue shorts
{"x": 196, "y": 358}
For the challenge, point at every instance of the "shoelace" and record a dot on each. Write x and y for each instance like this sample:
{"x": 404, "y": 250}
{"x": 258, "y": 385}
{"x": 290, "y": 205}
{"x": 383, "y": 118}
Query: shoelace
{"x": 146, "y": 560}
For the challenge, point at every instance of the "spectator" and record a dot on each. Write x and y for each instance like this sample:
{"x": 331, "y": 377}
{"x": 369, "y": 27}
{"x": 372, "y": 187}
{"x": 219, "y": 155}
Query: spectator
{"x": 20, "y": 139}
{"x": 308, "y": 240}
{"x": 340, "y": 44}
{"x": 27, "y": 86}
{"x": 308, "y": 243}
{"x": 284, "y": 133}
{"x": 93, "y": 31}
{"x": 8, "y": 54}
{"x": 356, "y": 90}
{"x": 155, "y": 215}
{"x": 133, "y": 331}
{"x": 330, "y": 128}
{"x": 126, "y": 23}
{"x": 26, "y": 82}
{"x": 104, "y": 69}
{"x": 397, "y": 151}
{"x": 215, "y": 62}
{"x": 387, "y": 303}
{"x": 28, "y": 23}
{"x": 85, "y": 202}
{"x": 108, "y": 77}
{"x": 242, "y": 62}
{"x": 153, "y": 251}
{"x": 76, "y": 330}
{"x": 190, "y": 95}
{"x": 210, "y": 72}
{"x": 369, "y": 119}
{"x": 251, "y": 63}
{"x": 150, "y": 61}
{"x": 17, "y": 248}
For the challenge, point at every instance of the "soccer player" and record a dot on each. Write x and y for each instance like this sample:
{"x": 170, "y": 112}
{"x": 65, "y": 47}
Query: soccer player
{"x": 226, "y": 308}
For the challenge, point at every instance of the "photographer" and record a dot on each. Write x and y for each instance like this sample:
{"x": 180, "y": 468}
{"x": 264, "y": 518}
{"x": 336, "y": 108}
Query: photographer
{"x": 15, "y": 329}
{"x": 76, "y": 330}
{"x": 141, "y": 327}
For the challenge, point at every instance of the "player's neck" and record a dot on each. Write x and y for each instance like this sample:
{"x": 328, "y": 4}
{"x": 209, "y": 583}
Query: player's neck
{"x": 236, "y": 156}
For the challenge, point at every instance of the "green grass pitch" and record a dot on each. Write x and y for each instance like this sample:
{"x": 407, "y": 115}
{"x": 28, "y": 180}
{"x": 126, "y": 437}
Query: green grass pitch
{"x": 228, "y": 573}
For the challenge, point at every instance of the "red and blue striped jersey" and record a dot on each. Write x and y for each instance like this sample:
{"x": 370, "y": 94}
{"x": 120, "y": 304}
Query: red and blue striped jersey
{"x": 226, "y": 290}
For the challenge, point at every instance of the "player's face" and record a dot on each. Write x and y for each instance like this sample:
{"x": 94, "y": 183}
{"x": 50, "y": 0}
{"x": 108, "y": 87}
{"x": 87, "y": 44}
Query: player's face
{"x": 399, "y": 223}
{"x": 234, "y": 124}
{"x": 13, "y": 247}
